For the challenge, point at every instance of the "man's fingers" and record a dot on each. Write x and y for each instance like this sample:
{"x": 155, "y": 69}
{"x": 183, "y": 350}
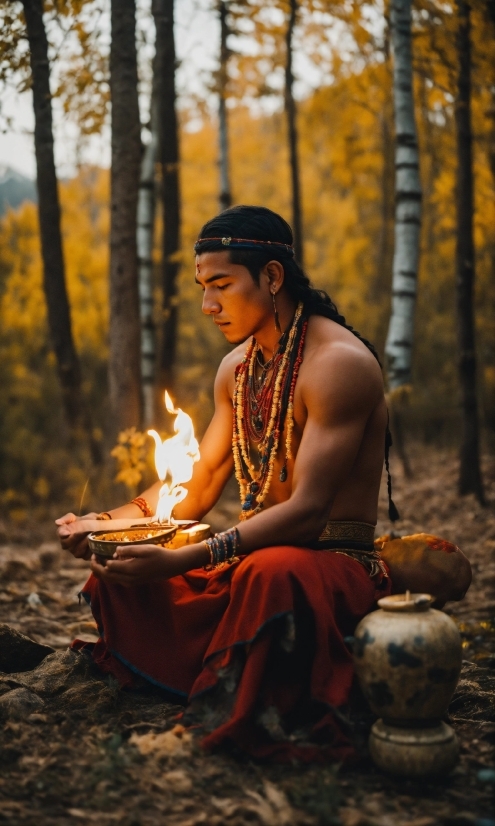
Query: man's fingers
{"x": 112, "y": 566}
{"x": 67, "y": 519}
{"x": 80, "y": 549}
{"x": 66, "y": 533}
{"x": 67, "y": 542}
{"x": 71, "y": 517}
{"x": 74, "y": 528}
{"x": 123, "y": 566}
{"x": 67, "y": 538}
{"x": 74, "y": 543}
{"x": 105, "y": 572}
{"x": 133, "y": 551}
{"x": 98, "y": 569}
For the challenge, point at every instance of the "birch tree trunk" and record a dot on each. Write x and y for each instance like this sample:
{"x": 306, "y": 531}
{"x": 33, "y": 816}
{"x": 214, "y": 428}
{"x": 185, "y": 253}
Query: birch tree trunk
{"x": 290, "y": 110}
{"x": 399, "y": 343}
{"x": 59, "y": 321}
{"x": 163, "y": 13}
{"x": 125, "y": 332}
{"x": 470, "y": 473}
{"x": 145, "y": 230}
{"x": 225, "y": 191}
{"x": 385, "y": 245}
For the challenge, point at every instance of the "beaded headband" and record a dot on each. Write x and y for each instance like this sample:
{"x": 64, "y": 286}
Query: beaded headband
{"x": 245, "y": 243}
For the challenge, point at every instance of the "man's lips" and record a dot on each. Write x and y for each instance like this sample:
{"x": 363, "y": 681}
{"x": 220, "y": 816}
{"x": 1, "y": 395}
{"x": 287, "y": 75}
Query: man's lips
{"x": 221, "y": 323}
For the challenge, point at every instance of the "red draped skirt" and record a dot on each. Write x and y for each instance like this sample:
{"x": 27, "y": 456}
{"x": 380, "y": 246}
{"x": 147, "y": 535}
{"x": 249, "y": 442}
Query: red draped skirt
{"x": 255, "y": 651}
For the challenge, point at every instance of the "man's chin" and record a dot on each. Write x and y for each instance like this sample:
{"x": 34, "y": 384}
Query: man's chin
{"x": 232, "y": 337}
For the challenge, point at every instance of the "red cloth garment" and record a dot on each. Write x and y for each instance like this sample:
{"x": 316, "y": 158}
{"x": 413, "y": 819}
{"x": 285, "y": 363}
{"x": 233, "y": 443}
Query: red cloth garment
{"x": 256, "y": 649}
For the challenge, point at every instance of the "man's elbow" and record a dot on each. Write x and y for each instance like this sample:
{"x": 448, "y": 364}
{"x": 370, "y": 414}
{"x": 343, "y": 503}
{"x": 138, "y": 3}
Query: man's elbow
{"x": 312, "y": 519}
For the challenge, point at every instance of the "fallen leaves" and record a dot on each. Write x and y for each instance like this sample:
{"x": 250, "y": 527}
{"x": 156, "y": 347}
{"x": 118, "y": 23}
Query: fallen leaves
{"x": 178, "y": 781}
{"x": 101, "y": 755}
{"x": 178, "y": 742}
{"x": 271, "y": 808}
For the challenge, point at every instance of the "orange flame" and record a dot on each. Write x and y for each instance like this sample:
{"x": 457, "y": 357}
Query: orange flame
{"x": 174, "y": 461}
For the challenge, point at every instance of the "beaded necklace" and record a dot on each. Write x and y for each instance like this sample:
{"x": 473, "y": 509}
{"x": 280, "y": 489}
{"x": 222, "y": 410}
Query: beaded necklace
{"x": 260, "y": 415}
{"x": 259, "y": 396}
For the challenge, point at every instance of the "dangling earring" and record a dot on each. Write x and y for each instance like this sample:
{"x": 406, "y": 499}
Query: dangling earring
{"x": 277, "y": 321}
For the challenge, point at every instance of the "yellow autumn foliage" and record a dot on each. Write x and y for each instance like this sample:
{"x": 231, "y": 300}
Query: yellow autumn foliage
{"x": 346, "y": 155}
{"x": 130, "y": 456}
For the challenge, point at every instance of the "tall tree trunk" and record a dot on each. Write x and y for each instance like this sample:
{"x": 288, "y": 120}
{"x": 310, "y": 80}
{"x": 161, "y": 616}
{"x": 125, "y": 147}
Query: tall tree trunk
{"x": 290, "y": 110}
{"x": 225, "y": 191}
{"x": 380, "y": 286}
{"x": 385, "y": 250}
{"x": 76, "y": 410}
{"x": 387, "y": 202}
{"x": 125, "y": 332}
{"x": 385, "y": 238}
{"x": 379, "y": 290}
{"x": 145, "y": 228}
{"x": 399, "y": 343}
{"x": 470, "y": 473}
{"x": 163, "y": 13}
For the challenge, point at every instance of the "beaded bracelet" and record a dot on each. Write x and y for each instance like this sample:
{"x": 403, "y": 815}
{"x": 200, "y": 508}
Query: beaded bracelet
{"x": 143, "y": 505}
{"x": 223, "y": 548}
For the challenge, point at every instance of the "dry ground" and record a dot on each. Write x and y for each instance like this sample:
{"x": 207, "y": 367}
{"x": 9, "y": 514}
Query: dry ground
{"x": 75, "y": 748}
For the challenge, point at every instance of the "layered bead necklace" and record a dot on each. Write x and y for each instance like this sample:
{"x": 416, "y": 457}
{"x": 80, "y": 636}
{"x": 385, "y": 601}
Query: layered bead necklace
{"x": 262, "y": 407}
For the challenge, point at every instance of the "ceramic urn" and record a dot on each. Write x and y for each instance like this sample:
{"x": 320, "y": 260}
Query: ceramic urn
{"x": 407, "y": 656}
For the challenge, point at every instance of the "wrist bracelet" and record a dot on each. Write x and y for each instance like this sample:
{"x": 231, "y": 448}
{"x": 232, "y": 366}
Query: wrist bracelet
{"x": 143, "y": 505}
{"x": 104, "y": 515}
{"x": 223, "y": 548}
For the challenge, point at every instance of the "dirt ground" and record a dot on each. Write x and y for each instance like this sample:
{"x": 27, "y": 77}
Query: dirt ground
{"x": 76, "y": 748}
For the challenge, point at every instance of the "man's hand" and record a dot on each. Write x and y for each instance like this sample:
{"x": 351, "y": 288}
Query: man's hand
{"x": 73, "y": 540}
{"x": 139, "y": 564}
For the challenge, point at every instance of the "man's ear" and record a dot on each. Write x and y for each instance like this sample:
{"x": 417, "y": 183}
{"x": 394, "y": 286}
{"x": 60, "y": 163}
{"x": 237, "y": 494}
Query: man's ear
{"x": 275, "y": 274}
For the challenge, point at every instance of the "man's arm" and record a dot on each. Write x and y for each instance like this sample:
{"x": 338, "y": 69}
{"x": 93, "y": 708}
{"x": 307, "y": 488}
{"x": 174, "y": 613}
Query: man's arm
{"x": 340, "y": 392}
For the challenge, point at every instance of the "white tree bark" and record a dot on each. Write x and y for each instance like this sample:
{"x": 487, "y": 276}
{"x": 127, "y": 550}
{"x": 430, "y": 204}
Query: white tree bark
{"x": 400, "y": 336}
{"x": 145, "y": 226}
{"x": 223, "y": 161}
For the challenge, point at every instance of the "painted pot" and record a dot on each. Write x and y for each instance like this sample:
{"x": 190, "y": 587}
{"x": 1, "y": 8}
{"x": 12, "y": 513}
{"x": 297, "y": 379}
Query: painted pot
{"x": 407, "y": 656}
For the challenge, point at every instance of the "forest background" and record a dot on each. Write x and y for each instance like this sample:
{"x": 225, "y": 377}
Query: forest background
{"x": 345, "y": 144}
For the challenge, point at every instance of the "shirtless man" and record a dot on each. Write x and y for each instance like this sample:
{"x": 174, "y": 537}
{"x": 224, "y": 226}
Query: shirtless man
{"x": 252, "y": 288}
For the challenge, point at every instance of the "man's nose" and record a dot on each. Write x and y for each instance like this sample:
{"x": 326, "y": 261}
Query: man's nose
{"x": 210, "y": 306}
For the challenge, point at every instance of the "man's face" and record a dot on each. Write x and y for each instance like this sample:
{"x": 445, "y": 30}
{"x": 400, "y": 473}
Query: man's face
{"x": 238, "y": 305}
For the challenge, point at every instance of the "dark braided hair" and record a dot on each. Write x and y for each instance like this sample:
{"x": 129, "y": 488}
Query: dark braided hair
{"x": 261, "y": 224}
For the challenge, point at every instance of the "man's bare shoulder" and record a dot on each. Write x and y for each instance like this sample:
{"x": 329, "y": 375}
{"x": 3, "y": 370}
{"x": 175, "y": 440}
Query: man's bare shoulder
{"x": 337, "y": 363}
{"x": 225, "y": 378}
{"x": 232, "y": 359}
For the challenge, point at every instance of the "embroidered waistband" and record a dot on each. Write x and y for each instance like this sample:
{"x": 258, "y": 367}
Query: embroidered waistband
{"x": 353, "y": 539}
{"x": 349, "y": 532}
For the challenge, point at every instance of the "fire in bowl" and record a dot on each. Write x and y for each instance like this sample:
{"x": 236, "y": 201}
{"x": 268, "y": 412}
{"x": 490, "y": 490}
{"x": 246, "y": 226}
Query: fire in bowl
{"x": 105, "y": 543}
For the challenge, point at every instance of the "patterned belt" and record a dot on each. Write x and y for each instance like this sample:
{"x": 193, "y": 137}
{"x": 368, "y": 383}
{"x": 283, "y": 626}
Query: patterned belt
{"x": 354, "y": 539}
